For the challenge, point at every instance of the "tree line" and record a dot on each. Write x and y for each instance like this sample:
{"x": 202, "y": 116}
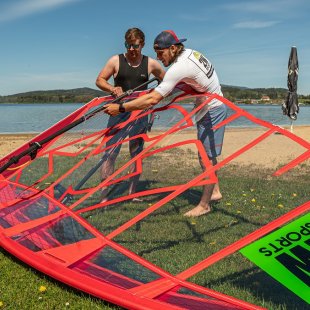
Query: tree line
{"x": 83, "y": 95}
{"x": 234, "y": 94}
{"x": 77, "y": 95}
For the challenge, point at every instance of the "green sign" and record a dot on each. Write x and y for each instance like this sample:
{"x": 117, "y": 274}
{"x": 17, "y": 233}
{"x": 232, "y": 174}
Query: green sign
{"x": 285, "y": 255}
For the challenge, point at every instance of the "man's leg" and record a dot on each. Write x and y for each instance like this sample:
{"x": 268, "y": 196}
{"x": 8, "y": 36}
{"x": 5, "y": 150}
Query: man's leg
{"x": 113, "y": 146}
{"x": 216, "y": 193}
{"x": 212, "y": 141}
{"x": 109, "y": 159}
{"x": 107, "y": 169}
{"x": 210, "y": 192}
{"x": 135, "y": 147}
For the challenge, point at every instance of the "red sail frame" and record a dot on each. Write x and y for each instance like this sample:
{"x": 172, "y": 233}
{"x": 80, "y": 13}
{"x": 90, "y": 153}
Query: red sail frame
{"x": 73, "y": 263}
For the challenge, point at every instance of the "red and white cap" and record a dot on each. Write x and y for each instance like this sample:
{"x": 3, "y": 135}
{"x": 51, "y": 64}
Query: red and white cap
{"x": 165, "y": 39}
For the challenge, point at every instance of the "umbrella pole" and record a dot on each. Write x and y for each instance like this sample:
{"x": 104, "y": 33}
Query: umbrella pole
{"x": 291, "y": 126}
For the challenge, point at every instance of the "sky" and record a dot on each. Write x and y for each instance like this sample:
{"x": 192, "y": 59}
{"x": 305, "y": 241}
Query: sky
{"x": 63, "y": 44}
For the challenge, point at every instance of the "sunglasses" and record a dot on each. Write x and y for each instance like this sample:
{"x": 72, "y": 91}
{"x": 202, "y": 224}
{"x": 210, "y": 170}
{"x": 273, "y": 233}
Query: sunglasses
{"x": 135, "y": 46}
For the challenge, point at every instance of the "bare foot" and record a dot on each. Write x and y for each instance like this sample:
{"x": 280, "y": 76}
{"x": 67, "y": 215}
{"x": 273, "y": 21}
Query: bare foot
{"x": 104, "y": 195}
{"x": 104, "y": 199}
{"x": 198, "y": 211}
{"x": 216, "y": 197}
{"x": 216, "y": 193}
{"x": 137, "y": 200}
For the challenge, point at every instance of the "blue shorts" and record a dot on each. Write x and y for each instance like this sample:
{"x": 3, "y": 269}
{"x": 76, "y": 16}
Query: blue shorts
{"x": 212, "y": 139}
{"x": 132, "y": 129}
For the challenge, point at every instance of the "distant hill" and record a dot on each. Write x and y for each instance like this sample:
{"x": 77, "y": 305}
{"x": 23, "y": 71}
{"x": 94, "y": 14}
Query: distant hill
{"x": 236, "y": 93}
{"x": 76, "y": 95}
{"x": 250, "y": 95}
{"x": 85, "y": 94}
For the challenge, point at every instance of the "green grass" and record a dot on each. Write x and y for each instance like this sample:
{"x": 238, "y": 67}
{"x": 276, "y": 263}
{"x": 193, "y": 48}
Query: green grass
{"x": 169, "y": 240}
{"x": 20, "y": 289}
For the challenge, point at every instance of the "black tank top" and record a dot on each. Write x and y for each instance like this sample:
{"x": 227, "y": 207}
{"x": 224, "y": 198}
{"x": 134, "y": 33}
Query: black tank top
{"x": 130, "y": 77}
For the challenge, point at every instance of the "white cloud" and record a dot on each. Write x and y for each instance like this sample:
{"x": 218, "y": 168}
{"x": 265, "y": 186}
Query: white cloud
{"x": 283, "y": 9}
{"x": 255, "y": 24}
{"x": 264, "y": 6}
{"x": 255, "y": 7}
{"x": 18, "y": 9}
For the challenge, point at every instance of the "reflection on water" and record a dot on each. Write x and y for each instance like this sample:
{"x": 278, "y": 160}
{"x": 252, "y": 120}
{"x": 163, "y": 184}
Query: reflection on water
{"x": 38, "y": 117}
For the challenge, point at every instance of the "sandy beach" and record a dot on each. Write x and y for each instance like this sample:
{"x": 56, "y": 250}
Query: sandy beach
{"x": 273, "y": 151}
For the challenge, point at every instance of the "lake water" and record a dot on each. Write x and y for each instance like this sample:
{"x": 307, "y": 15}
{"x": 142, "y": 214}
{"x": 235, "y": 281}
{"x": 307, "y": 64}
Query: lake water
{"x": 35, "y": 118}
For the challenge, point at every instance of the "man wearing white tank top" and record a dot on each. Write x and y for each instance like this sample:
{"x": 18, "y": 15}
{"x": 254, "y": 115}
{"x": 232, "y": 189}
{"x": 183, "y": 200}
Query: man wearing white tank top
{"x": 190, "y": 67}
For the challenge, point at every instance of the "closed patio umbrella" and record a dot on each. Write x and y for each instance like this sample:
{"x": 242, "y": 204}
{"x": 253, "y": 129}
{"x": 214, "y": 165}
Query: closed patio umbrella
{"x": 290, "y": 106}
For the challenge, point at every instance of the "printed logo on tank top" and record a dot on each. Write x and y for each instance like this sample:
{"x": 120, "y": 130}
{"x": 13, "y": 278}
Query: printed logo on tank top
{"x": 202, "y": 63}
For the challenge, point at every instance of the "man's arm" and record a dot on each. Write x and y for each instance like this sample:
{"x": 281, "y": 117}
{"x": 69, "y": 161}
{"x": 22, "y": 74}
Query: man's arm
{"x": 156, "y": 69}
{"x": 108, "y": 70}
{"x": 141, "y": 103}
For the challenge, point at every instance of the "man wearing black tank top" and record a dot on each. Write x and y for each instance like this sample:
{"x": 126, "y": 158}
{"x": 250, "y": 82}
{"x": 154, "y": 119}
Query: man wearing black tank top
{"x": 129, "y": 70}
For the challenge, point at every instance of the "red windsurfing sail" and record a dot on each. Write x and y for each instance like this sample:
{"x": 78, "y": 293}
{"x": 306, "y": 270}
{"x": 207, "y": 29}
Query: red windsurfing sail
{"x": 59, "y": 215}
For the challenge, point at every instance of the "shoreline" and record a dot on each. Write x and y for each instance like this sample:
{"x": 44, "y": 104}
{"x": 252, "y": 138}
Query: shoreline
{"x": 299, "y": 130}
{"x": 234, "y": 128}
{"x": 275, "y": 150}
